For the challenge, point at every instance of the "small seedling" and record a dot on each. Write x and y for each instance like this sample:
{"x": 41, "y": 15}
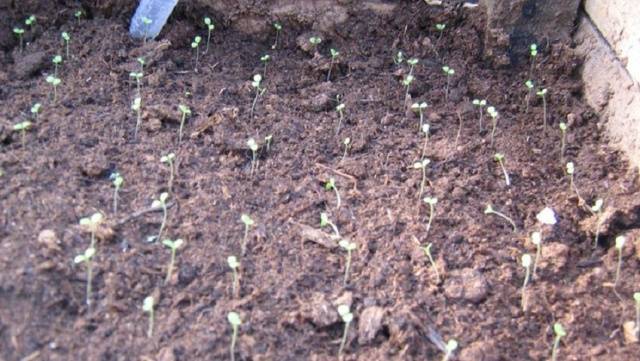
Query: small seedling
{"x": 347, "y": 144}
{"x": 349, "y": 247}
{"x": 325, "y": 221}
{"x": 440, "y": 28}
{"x": 147, "y": 306}
{"x": 141, "y": 61}
{"x": 146, "y": 22}
{"x": 480, "y": 103}
{"x": 620, "y": 241}
{"x": 536, "y": 239}
{"x": 234, "y": 320}
{"x": 136, "y": 106}
{"x": 331, "y": 185}
{"x": 527, "y": 98}
{"x": 340, "y": 109}
{"x": 256, "y": 83}
{"x": 265, "y": 59}
{"x": 92, "y": 224}
{"x": 636, "y": 297}
{"x": 209, "y": 24}
{"x": 526, "y": 263}
{"x": 422, "y": 165}
{"x": 419, "y": 108}
{"x": 54, "y": 81}
{"x": 406, "y": 81}
{"x": 449, "y": 348}
{"x": 30, "y": 22}
{"x": 169, "y": 160}
{"x": 347, "y": 317}
{"x": 66, "y": 38}
{"x": 563, "y": 139}
{"x": 412, "y": 64}
{"x": 427, "y": 251}
{"x": 597, "y": 210}
{"x": 117, "y": 181}
{"x": 448, "y": 72}
{"x": 334, "y": 56}
{"x": 315, "y": 41}
{"x": 195, "y": 44}
{"x": 248, "y": 223}
{"x": 173, "y": 246}
{"x": 425, "y": 130}
{"x": 78, "y": 14}
{"x": 57, "y": 60}
{"x": 233, "y": 263}
{"x": 253, "y": 146}
{"x": 543, "y": 94}
{"x": 533, "y": 53}
{"x": 137, "y": 75}
{"x": 22, "y": 127}
{"x": 267, "y": 141}
{"x": 398, "y": 58}
{"x": 431, "y": 201}
{"x": 35, "y": 110}
{"x": 19, "y": 33}
{"x": 559, "y": 332}
{"x": 499, "y": 157}
{"x": 493, "y": 113}
{"x": 278, "y": 28}
{"x": 572, "y": 185}
{"x": 489, "y": 210}
{"x": 86, "y": 259}
{"x": 185, "y": 111}
{"x": 161, "y": 202}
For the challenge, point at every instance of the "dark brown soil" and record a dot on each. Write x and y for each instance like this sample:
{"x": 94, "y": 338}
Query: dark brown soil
{"x": 291, "y": 284}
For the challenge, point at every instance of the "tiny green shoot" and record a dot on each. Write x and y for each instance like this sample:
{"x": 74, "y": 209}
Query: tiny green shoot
{"x": 86, "y": 259}
{"x": 425, "y": 130}
{"x": 173, "y": 246}
{"x": 325, "y": 221}
{"x": 347, "y": 144}
{"x": 141, "y": 61}
{"x": 489, "y": 210}
{"x": 161, "y": 202}
{"x": 30, "y": 22}
{"x": 543, "y": 94}
{"x": 480, "y": 103}
{"x": 57, "y": 60}
{"x": 431, "y": 201}
{"x": 92, "y": 224}
{"x": 533, "y": 53}
{"x": 78, "y": 14}
{"x": 234, "y": 320}
{"x": 233, "y": 263}
{"x": 169, "y": 160}
{"x": 570, "y": 168}
{"x": 526, "y": 263}
{"x": 334, "y": 56}
{"x": 210, "y": 26}
{"x": 559, "y": 332}
{"x": 253, "y": 146}
{"x": 147, "y": 306}
{"x": 419, "y": 108}
{"x": 449, "y": 348}
{"x": 527, "y": 98}
{"x": 265, "y": 59}
{"x": 195, "y": 44}
{"x": 349, "y": 247}
{"x": 536, "y": 239}
{"x": 66, "y": 38}
{"x": 315, "y": 41}
{"x": 620, "y": 241}
{"x": 137, "y": 75}
{"x": 412, "y": 64}
{"x": 54, "y": 81}
{"x": 136, "y": 106}
{"x": 499, "y": 157}
{"x": 35, "y": 110}
{"x": 422, "y": 165}
{"x": 278, "y": 28}
{"x": 19, "y": 33}
{"x": 563, "y": 139}
{"x": 427, "y": 251}
{"x": 267, "y": 141}
{"x": 331, "y": 185}
{"x": 493, "y": 113}
{"x": 185, "y": 111}
{"x": 340, "y": 109}
{"x": 248, "y": 223}
{"x": 22, "y": 127}
{"x": 597, "y": 210}
{"x": 347, "y": 317}
{"x": 146, "y": 22}
{"x": 448, "y": 72}
{"x": 406, "y": 81}
{"x": 440, "y": 28}
{"x": 117, "y": 181}
{"x": 398, "y": 58}
{"x": 256, "y": 83}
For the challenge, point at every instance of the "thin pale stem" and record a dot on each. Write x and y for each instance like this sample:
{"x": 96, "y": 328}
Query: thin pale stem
{"x": 255, "y": 100}
{"x": 347, "y": 267}
{"x": 618, "y": 267}
{"x": 89, "y": 281}
{"x": 432, "y": 212}
{"x": 338, "y": 200}
{"x": 171, "y": 175}
{"x": 197, "y": 56}
{"x": 232, "y": 348}
{"x": 424, "y": 177}
{"x": 184, "y": 116}
{"x": 524, "y": 290}
{"x": 335, "y": 229}
{"x": 421, "y": 119}
{"x": 493, "y": 129}
{"x": 507, "y": 180}
{"x": 164, "y": 220}
{"x": 339, "y": 122}
{"x": 206, "y": 51}
{"x": 150, "y": 329}
{"x": 234, "y": 286}
{"x": 244, "y": 240}
{"x": 424, "y": 145}
{"x": 344, "y": 338}
{"x": 138, "y": 121}
{"x": 433, "y": 265}
{"x": 253, "y": 162}
{"x": 170, "y": 268}
{"x": 503, "y": 216}
{"x": 115, "y": 200}
{"x": 537, "y": 257}
{"x": 556, "y": 346}
{"x": 481, "y": 118}
{"x": 330, "y": 67}
{"x": 446, "y": 92}
{"x": 562, "y": 146}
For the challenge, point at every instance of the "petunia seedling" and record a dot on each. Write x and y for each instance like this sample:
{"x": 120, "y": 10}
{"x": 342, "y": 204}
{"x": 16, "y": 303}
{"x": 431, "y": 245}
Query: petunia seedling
{"x": 440, "y": 27}
{"x": 529, "y": 85}
{"x": 233, "y": 263}
{"x": 267, "y": 141}
{"x": 235, "y": 322}
{"x": 169, "y": 160}
{"x": 257, "y": 85}
{"x": 570, "y": 168}
{"x": 448, "y": 72}
{"x": 86, "y": 258}
{"x": 248, "y": 223}
{"x": 526, "y": 263}
{"x": 57, "y": 60}
{"x": 331, "y": 185}
{"x": 19, "y": 33}
{"x": 161, "y": 202}
{"x": 422, "y": 165}
{"x": 185, "y": 111}
{"x": 412, "y": 64}
{"x": 398, "y": 58}
{"x": 209, "y": 25}
{"x": 334, "y": 56}
{"x": 54, "y": 81}
{"x": 278, "y": 28}
{"x": 406, "y": 81}
{"x": 173, "y": 246}
{"x": 536, "y": 239}
{"x": 30, "y": 22}
{"x": 620, "y": 241}
{"x": 347, "y": 144}
{"x": 533, "y": 53}
{"x": 22, "y": 127}
{"x": 66, "y": 38}
{"x": 480, "y": 103}
{"x": 499, "y": 157}
{"x": 195, "y": 44}
{"x": 431, "y": 201}
{"x": 340, "y": 110}
{"x": 489, "y": 210}
{"x": 449, "y": 349}
{"x": 78, "y": 14}
{"x": 147, "y": 306}
{"x": 253, "y": 146}
{"x": 146, "y": 23}
{"x": 348, "y": 247}
{"x": 563, "y": 139}
{"x": 419, "y": 108}
{"x": 136, "y": 106}
{"x": 493, "y": 113}
{"x": 92, "y": 224}
{"x": 425, "y": 129}
{"x": 559, "y": 333}
{"x": 315, "y": 41}
{"x": 543, "y": 94}
{"x": 325, "y": 221}
{"x": 117, "y": 181}
{"x": 427, "y": 251}
{"x": 347, "y": 317}
{"x": 265, "y": 60}
{"x": 35, "y": 110}
{"x": 137, "y": 75}
{"x": 597, "y": 210}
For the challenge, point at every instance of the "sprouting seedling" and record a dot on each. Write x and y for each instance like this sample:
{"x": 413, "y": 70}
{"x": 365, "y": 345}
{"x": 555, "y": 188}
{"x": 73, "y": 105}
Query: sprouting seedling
{"x": 419, "y": 108}
{"x": 536, "y": 239}
{"x": 425, "y": 130}
{"x": 347, "y": 317}
{"x": 248, "y": 223}
{"x": 499, "y": 157}
{"x": 30, "y": 22}
{"x": 526, "y": 263}
{"x": 563, "y": 139}
{"x": 195, "y": 44}
{"x": 493, "y": 113}
{"x": 233, "y": 263}
{"x": 543, "y": 94}
{"x": 22, "y": 127}
{"x": 257, "y": 84}
{"x": 334, "y": 56}
{"x": 620, "y": 241}
{"x": 147, "y": 306}
{"x": 19, "y": 33}
{"x": 315, "y": 41}
{"x": 185, "y": 111}
{"x": 161, "y": 202}
{"x": 570, "y": 168}
{"x": 253, "y": 146}
{"x": 449, "y": 348}
{"x": 422, "y": 165}
{"x": 597, "y": 209}
{"x": 340, "y": 109}
{"x": 480, "y": 103}
{"x": 636, "y": 297}
{"x": 78, "y": 14}
{"x": 440, "y": 28}
{"x": 533, "y": 53}
{"x": 265, "y": 59}
{"x": 278, "y": 28}
{"x": 137, "y": 75}
{"x": 142, "y": 62}
{"x": 92, "y": 224}
{"x": 325, "y": 221}
{"x": 527, "y": 98}
{"x": 54, "y": 81}
{"x": 235, "y": 321}
{"x": 136, "y": 106}
{"x": 489, "y": 210}
{"x": 347, "y": 144}
{"x": 35, "y": 110}
{"x": 398, "y": 58}
{"x": 169, "y": 161}
{"x": 349, "y": 247}
{"x": 406, "y": 81}
{"x": 173, "y": 246}
{"x": 427, "y": 251}
{"x": 66, "y": 38}
{"x": 412, "y": 64}
{"x": 331, "y": 185}
{"x": 57, "y": 60}
{"x": 86, "y": 259}
{"x": 448, "y": 72}
{"x": 267, "y": 141}
{"x": 209, "y": 24}
{"x": 117, "y": 181}
{"x": 559, "y": 332}
{"x": 431, "y": 201}
{"x": 146, "y": 22}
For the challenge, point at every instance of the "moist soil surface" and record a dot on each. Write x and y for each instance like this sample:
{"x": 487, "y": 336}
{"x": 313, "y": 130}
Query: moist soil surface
{"x": 291, "y": 278}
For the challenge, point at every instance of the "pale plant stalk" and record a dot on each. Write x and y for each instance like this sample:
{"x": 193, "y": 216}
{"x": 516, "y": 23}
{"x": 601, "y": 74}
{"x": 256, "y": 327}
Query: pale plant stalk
{"x": 424, "y": 177}
{"x": 234, "y": 286}
{"x": 138, "y": 121}
{"x": 494, "y": 122}
{"x": 171, "y": 265}
{"x": 343, "y": 342}
{"x": 89, "y": 281}
{"x": 618, "y": 267}
{"x": 115, "y": 200}
{"x": 424, "y": 145}
{"x": 537, "y": 257}
{"x": 338, "y": 200}
{"x": 347, "y": 267}
{"x": 505, "y": 217}
{"x": 171, "y": 175}
{"x": 507, "y": 180}
{"x": 234, "y": 336}
{"x": 164, "y": 220}
{"x": 432, "y": 212}
{"x": 524, "y": 290}
{"x": 244, "y": 239}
